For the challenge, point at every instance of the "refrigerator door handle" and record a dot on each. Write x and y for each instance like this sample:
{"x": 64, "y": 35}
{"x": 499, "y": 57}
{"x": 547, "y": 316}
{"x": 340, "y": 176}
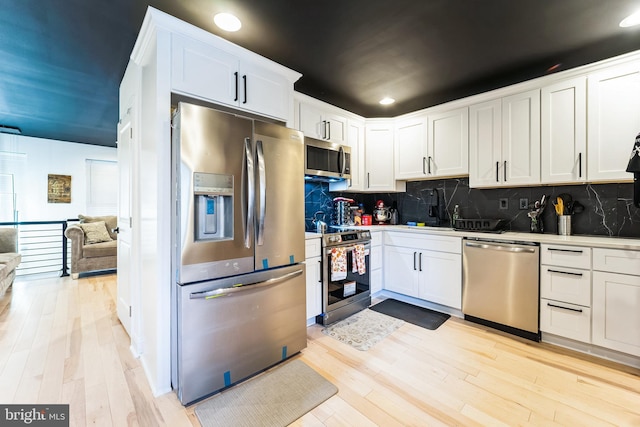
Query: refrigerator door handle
{"x": 262, "y": 182}
{"x": 249, "y": 202}
{"x": 240, "y": 287}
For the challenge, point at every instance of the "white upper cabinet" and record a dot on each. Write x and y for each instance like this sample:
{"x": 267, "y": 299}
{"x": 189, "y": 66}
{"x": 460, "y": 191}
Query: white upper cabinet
{"x": 433, "y": 145}
{"x": 322, "y": 124}
{"x": 448, "y": 143}
{"x": 411, "y": 147}
{"x": 504, "y": 141}
{"x": 613, "y": 121}
{"x": 248, "y": 82}
{"x": 564, "y": 132}
{"x": 379, "y": 164}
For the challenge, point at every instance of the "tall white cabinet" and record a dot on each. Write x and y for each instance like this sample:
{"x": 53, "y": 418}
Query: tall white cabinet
{"x": 504, "y": 141}
{"x": 613, "y": 120}
{"x": 173, "y": 57}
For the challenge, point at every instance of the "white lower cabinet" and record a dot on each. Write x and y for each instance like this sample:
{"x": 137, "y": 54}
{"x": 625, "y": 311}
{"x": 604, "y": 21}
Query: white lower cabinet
{"x": 616, "y": 318}
{"x": 566, "y": 320}
{"x": 313, "y": 262}
{"x": 375, "y": 275}
{"x": 415, "y": 269}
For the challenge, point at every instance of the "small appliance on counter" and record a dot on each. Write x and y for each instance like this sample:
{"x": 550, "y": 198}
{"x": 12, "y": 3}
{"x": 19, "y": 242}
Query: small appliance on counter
{"x": 435, "y": 208}
{"x": 381, "y": 213}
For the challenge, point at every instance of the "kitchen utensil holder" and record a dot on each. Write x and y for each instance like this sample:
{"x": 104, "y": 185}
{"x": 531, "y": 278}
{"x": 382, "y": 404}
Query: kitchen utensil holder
{"x": 564, "y": 225}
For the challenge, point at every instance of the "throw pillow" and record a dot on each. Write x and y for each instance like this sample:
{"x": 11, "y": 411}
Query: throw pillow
{"x": 95, "y": 232}
{"x": 110, "y": 221}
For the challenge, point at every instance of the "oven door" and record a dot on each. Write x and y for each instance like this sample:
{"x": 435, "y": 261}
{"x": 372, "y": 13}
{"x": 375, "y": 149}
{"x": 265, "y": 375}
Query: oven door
{"x": 345, "y": 287}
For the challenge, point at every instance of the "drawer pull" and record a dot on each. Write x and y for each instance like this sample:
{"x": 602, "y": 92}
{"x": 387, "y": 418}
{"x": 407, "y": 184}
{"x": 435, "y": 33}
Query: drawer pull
{"x": 564, "y": 272}
{"x": 565, "y": 250}
{"x": 579, "y": 310}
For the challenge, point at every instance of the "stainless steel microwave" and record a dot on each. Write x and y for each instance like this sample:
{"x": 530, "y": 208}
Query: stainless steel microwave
{"x": 326, "y": 160}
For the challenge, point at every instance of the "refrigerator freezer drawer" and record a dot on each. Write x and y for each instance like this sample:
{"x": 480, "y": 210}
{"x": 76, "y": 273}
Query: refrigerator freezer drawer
{"x": 227, "y": 332}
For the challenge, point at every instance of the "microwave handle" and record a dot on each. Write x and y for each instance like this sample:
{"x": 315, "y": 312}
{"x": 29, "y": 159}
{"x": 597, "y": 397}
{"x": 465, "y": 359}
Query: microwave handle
{"x": 342, "y": 160}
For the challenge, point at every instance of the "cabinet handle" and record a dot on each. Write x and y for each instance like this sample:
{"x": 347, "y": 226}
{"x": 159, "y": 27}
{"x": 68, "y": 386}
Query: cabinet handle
{"x": 244, "y": 81}
{"x": 564, "y": 272}
{"x": 578, "y": 310}
{"x": 579, "y": 165}
{"x": 368, "y": 185}
{"x": 236, "y": 75}
{"x": 320, "y": 269}
{"x": 429, "y": 165}
{"x": 505, "y": 171}
{"x": 420, "y": 261}
{"x": 324, "y": 129}
{"x": 565, "y": 250}
{"x": 329, "y": 127}
{"x": 497, "y": 171}
{"x": 414, "y": 261}
{"x": 424, "y": 168}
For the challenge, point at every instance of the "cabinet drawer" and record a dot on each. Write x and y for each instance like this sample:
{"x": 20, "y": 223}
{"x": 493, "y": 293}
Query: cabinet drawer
{"x": 616, "y": 261}
{"x": 566, "y": 320}
{"x": 424, "y": 241}
{"x": 566, "y": 284}
{"x": 566, "y": 256}
{"x": 312, "y": 247}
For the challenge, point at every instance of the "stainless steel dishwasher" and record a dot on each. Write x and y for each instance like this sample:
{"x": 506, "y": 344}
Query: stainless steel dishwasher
{"x": 501, "y": 285}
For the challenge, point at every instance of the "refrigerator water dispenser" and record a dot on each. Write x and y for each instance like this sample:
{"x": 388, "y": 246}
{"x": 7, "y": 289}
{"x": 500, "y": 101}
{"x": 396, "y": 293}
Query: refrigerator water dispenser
{"x": 213, "y": 206}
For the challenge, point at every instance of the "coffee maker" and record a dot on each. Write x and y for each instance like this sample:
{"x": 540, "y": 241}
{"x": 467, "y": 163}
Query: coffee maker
{"x": 435, "y": 207}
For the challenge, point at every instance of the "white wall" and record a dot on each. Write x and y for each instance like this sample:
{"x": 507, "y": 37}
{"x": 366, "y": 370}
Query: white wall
{"x": 32, "y": 159}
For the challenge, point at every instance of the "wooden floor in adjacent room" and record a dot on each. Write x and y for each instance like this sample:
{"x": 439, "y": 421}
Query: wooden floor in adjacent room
{"x": 61, "y": 342}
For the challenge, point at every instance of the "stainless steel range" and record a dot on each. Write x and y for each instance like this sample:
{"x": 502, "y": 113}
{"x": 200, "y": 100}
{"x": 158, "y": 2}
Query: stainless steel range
{"x": 345, "y": 275}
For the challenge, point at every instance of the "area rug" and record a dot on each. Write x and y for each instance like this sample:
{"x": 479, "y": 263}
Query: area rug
{"x": 363, "y": 329}
{"x": 273, "y": 399}
{"x": 420, "y": 316}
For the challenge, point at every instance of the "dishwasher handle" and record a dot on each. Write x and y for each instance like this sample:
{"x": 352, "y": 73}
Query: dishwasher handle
{"x": 215, "y": 293}
{"x": 501, "y": 247}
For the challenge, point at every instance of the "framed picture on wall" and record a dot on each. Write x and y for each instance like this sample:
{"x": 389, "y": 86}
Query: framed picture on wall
{"x": 59, "y": 189}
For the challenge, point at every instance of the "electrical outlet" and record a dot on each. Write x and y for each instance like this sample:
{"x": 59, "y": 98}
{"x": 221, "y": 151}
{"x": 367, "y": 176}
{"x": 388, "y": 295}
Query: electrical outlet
{"x": 504, "y": 203}
{"x": 524, "y": 203}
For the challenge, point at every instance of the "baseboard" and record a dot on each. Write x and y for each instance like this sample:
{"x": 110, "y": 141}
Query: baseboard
{"x": 593, "y": 350}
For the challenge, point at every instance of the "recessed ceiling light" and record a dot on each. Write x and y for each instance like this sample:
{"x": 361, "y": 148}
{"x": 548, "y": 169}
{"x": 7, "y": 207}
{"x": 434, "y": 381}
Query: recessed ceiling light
{"x": 631, "y": 20}
{"x": 387, "y": 101}
{"x": 227, "y": 21}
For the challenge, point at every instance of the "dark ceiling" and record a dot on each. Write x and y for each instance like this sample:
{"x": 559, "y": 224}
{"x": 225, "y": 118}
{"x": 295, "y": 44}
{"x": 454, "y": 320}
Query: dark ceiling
{"x": 62, "y": 60}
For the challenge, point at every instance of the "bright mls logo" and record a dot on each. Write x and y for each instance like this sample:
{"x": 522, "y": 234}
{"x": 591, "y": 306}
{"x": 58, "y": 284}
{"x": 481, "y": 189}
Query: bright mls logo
{"x": 34, "y": 415}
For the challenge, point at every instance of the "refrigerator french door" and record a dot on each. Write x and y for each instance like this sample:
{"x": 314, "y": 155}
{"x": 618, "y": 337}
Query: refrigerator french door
{"x": 239, "y": 302}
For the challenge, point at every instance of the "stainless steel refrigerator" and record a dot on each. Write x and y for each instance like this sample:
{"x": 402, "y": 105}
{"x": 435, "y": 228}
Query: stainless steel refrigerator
{"x": 239, "y": 301}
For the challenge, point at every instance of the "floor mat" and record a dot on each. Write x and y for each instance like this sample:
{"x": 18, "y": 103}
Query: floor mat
{"x": 420, "y": 316}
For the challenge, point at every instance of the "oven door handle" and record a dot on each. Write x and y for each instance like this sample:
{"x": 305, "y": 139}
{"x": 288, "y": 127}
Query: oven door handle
{"x": 241, "y": 287}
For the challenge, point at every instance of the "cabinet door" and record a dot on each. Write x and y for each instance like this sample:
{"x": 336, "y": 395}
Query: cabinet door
{"x": 448, "y": 143}
{"x": 411, "y": 148}
{"x": 485, "y": 142}
{"x": 400, "y": 270}
{"x": 203, "y": 71}
{"x": 441, "y": 278}
{"x": 314, "y": 286}
{"x": 521, "y": 139}
{"x": 379, "y": 157}
{"x": 564, "y": 132}
{"x": 336, "y": 128}
{"x": 311, "y": 121}
{"x": 613, "y": 121}
{"x": 616, "y": 317}
{"x": 264, "y": 91}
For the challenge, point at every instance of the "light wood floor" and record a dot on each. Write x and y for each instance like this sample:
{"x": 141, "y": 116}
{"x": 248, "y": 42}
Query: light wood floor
{"x": 61, "y": 342}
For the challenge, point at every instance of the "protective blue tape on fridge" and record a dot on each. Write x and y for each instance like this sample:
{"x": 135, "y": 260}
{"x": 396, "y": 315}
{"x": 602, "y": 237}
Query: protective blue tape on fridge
{"x": 291, "y": 261}
{"x": 284, "y": 352}
{"x": 227, "y": 378}
{"x": 265, "y": 263}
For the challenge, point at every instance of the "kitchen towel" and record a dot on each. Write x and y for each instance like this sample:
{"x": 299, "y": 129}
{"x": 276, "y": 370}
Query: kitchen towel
{"x": 358, "y": 265}
{"x": 338, "y": 264}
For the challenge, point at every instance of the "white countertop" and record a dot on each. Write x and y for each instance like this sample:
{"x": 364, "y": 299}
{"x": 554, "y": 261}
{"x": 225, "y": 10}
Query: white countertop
{"x": 578, "y": 240}
{"x": 308, "y": 235}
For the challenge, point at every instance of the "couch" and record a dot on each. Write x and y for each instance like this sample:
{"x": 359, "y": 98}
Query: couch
{"x": 9, "y": 257}
{"x": 94, "y": 244}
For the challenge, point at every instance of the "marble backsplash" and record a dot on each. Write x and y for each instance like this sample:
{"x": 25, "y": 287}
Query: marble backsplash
{"x": 609, "y": 209}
